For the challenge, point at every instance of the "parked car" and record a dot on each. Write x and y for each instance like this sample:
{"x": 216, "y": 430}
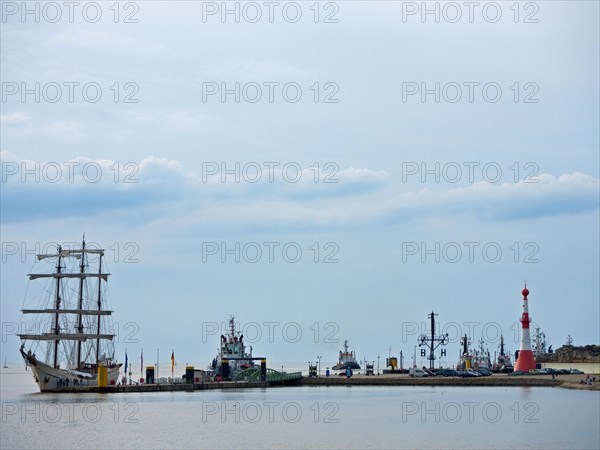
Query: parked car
{"x": 468, "y": 374}
{"x": 416, "y": 372}
{"x": 448, "y": 373}
{"x": 507, "y": 369}
{"x": 576, "y": 372}
{"x": 518, "y": 373}
{"x": 484, "y": 372}
{"x": 535, "y": 372}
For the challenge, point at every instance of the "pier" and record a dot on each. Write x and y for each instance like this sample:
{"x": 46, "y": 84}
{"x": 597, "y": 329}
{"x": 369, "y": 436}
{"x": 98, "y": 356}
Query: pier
{"x": 274, "y": 378}
{"x": 278, "y": 379}
{"x": 499, "y": 380}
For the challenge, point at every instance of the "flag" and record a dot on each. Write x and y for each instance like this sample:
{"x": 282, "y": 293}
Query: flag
{"x": 172, "y": 360}
{"x": 126, "y": 362}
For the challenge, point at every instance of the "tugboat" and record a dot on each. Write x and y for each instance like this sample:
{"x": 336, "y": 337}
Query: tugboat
{"x": 347, "y": 359}
{"x": 232, "y": 357}
{"x": 74, "y": 350}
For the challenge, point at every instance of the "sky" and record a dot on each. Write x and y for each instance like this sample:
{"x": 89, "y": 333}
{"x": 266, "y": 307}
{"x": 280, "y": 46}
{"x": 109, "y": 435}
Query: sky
{"x": 322, "y": 171}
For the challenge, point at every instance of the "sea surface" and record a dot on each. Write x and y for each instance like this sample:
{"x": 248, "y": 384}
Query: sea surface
{"x": 299, "y": 417}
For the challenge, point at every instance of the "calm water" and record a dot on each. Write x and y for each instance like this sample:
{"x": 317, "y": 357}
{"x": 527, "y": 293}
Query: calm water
{"x": 301, "y": 417}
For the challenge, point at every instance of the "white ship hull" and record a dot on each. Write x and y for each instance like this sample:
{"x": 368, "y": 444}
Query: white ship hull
{"x": 50, "y": 379}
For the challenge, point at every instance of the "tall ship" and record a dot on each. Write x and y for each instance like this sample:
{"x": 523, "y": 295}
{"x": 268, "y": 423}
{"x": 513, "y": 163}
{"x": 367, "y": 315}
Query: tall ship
{"x": 69, "y": 331}
{"x": 347, "y": 359}
{"x": 232, "y": 357}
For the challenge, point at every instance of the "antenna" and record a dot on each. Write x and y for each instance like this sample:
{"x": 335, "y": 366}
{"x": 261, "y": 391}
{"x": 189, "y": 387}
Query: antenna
{"x": 433, "y": 342}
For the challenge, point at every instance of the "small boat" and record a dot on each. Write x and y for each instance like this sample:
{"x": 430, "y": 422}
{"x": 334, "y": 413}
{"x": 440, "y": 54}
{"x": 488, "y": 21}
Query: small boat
{"x": 70, "y": 323}
{"x": 347, "y": 359}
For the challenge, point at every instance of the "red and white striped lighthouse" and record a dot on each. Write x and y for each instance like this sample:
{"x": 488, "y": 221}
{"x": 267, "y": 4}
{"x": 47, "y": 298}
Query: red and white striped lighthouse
{"x": 525, "y": 361}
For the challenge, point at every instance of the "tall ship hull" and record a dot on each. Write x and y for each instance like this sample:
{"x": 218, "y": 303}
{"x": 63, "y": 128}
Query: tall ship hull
{"x": 50, "y": 379}
{"x": 70, "y": 323}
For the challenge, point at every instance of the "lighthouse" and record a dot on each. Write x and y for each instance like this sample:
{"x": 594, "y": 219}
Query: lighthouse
{"x": 525, "y": 361}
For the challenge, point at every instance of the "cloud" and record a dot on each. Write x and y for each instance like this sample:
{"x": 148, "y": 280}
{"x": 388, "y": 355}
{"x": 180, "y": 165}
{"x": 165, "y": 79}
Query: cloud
{"x": 103, "y": 40}
{"x": 16, "y": 118}
{"x": 550, "y": 196}
{"x": 206, "y": 196}
{"x": 568, "y": 194}
{"x": 185, "y": 120}
{"x": 65, "y": 130}
{"x": 84, "y": 187}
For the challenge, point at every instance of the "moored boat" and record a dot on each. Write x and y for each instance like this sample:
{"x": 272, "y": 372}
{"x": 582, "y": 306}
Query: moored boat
{"x": 70, "y": 323}
{"x": 347, "y": 359}
{"x": 232, "y": 357}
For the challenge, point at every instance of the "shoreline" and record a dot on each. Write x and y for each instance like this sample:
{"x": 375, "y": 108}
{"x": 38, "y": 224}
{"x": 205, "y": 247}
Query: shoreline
{"x": 564, "y": 381}
{"x": 571, "y": 381}
{"x": 567, "y": 382}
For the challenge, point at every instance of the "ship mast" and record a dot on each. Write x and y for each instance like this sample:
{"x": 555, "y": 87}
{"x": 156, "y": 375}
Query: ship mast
{"x": 57, "y": 315}
{"x": 80, "y": 307}
{"x": 55, "y": 335}
{"x": 99, "y": 311}
{"x": 232, "y": 326}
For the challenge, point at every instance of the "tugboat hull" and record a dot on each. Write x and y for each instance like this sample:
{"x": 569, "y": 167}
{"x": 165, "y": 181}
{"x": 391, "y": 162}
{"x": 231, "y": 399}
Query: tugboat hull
{"x": 347, "y": 359}
{"x": 348, "y": 365}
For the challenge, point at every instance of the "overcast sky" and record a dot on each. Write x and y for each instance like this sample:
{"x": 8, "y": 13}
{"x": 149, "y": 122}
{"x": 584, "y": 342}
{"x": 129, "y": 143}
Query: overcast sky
{"x": 416, "y": 164}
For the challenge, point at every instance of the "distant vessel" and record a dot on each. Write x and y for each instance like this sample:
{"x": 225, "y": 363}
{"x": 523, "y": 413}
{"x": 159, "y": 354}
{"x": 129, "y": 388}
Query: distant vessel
{"x": 73, "y": 350}
{"x": 482, "y": 357}
{"x": 503, "y": 361}
{"x": 347, "y": 359}
{"x": 539, "y": 343}
{"x": 232, "y": 357}
{"x": 474, "y": 359}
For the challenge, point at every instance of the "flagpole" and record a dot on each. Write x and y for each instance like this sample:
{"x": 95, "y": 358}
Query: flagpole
{"x": 129, "y": 368}
{"x": 126, "y": 362}
{"x": 172, "y": 364}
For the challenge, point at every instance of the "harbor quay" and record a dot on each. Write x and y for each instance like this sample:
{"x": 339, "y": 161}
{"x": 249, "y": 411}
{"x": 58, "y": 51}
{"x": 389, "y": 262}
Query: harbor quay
{"x": 80, "y": 356}
{"x": 295, "y": 379}
{"x": 499, "y": 380}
